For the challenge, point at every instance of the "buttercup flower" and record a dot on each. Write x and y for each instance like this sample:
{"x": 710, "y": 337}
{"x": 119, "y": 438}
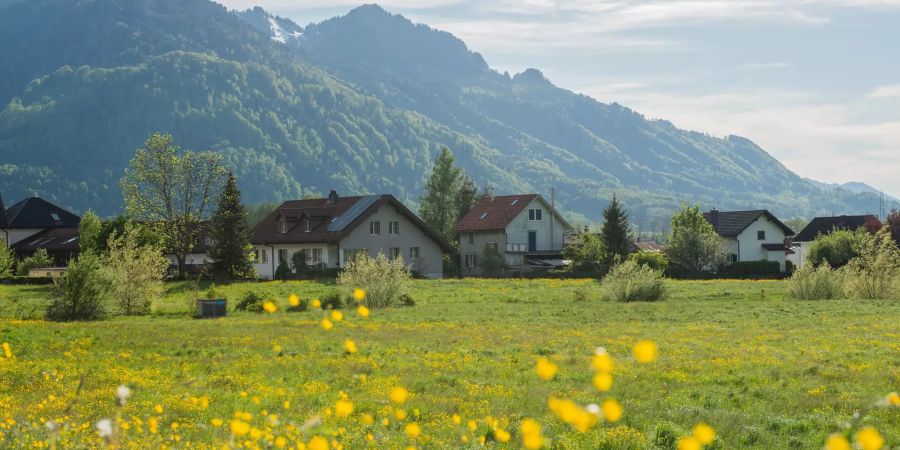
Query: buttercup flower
{"x": 269, "y": 307}
{"x": 399, "y": 395}
{"x": 545, "y": 369}
{"x": 645, "y": 351}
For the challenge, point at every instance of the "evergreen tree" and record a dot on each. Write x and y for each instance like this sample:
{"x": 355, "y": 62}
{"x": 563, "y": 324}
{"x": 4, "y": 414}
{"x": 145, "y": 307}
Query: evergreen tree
{"x": 615, "y": 233}
{"x": 230, "y": 235}
{"x": 466, "y": 197}
{"x": 7, "y": 260}
{"x": 438, "y": 206}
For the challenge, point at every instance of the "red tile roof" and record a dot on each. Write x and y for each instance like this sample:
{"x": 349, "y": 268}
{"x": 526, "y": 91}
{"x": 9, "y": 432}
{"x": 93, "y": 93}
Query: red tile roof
{"x": 494, "y": 213}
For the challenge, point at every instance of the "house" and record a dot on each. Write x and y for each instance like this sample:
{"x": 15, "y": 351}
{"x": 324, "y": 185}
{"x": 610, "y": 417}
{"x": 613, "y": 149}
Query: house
{"x": 526, "y": 229}
{"x": 821, "y": 226}
{"x": 35, "y": 223}
{"x": 751, "y": 235}
{"x": 646, "y": 246}
{"x": 331, "y": 231}
{"x": 195, "y": 262}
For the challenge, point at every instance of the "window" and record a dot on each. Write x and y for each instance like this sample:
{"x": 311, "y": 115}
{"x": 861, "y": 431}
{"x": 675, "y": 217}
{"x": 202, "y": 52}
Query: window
{"x": 413, "y": 252}
{"x": 483, "y": 215}
{"x": 306, "y": 227}
{"x": 534, "y": 214}
{"x": 761, "y": 235}
{"x": 314, "y": 256}
{"x": 471, "y": 237}
{"x": 350, "y": 253}
{"x": 282, "y": 255}
{"x": 733, "y": 258}
{"x": 262, "y": 256}
{"x": 514, "y": 202}
{"x": 394, "y": 227}
{"x": 394, "y": 252}
{"x": 54, "y": 216}
{"x": 282, "y": 224}
{"x": 470, "y": 260}
{"x": 374, "y": 228}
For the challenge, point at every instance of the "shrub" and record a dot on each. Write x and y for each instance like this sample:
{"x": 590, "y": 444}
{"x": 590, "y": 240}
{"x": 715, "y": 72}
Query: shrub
{"x": 332, "y": 301}
{"x": 39, "y": 259}
{"x": 283, "y": 271}
{"x": 816, "y": 283}
{"x": 836, "y": 248}
{"x": 406, "y": 300}
{"x": 135, "y": 272}
{"x": 81, "y": 293}
{"x": 492, "y": 261}
{"x": 875, "y": 273}
{"x": 633, "y": 282}
{"x": 654, "y": 260}
{"x": 384, "y": 280}
{"x": 252, "y": 302}
{"x": 587, "y": 256}
{"x": 7, "y": 259}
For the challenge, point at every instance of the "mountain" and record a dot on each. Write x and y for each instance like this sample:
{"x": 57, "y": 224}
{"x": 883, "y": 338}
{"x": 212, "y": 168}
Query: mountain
{"x": 361, "y": 103}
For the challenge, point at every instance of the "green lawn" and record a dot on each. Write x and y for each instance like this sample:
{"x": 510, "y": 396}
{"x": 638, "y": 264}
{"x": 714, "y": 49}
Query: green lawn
{"x": 764, "y": 371}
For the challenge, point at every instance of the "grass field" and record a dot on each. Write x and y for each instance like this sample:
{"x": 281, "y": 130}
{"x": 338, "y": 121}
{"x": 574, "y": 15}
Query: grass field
{"x": 764, "y": 371}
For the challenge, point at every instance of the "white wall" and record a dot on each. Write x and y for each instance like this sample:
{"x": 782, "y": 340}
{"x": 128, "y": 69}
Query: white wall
{"x": 750, "y": 248}
{"x": 517, "y": 230}
{"x": 799, "y": 256}
{"x": 479, "y": 240}
{"x": 18, "y": 234}
{"x": 267, "y": 270}
{"x": 430, "y": 262}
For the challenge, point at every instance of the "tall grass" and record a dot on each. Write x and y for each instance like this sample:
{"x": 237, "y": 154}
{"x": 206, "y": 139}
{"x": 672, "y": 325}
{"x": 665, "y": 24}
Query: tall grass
{"x": 633, "y": 282}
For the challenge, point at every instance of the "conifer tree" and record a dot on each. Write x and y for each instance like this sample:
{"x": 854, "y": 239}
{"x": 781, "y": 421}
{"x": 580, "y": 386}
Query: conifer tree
{"x": 615, "y": 233}
{"x": 230, "y": 235}
{"x": 438, "y": 205}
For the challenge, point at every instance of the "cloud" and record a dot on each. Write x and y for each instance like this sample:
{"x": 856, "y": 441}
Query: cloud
{"x": 889, "y": 91}
{"x": 765, "y": 66}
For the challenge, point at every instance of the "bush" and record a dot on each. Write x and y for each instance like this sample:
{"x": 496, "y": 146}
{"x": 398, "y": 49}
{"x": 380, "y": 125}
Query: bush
{"x": 753, "y": 268}
{"x": 492, "y": 261}
{"x": 384, "y": 280}
{"x": 875, "y": 273}
{"x": 654, "y": 260}
{"x": 587, "y": 256}
{"x": 633, "y": 282}
{"x": 251, "y": 302}
{"x": 7, "y": 259}
{"x": 332, "y": 301}
{"x": 837, "y": 248}
{"x": 135, "y": 271}
{"x": 406, "y": 300}
{"x": 283, "y": 271}
{"x": 39, "y": 259}
{"x": 816, "y": 283}
{"x": 81, "y": 294}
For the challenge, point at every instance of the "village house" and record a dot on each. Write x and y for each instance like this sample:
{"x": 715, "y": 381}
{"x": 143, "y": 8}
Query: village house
{"x": 526, "y": 230}
{"x": 823, "y": 226}
{"x": 331, "y": 231}
{"x": 35, "y": 223}
{"x": 751, "y": 236}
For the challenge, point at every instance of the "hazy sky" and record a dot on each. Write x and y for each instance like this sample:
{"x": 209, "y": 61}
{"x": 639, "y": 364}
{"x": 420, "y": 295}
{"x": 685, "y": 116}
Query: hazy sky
{"x": 814, "y": 82}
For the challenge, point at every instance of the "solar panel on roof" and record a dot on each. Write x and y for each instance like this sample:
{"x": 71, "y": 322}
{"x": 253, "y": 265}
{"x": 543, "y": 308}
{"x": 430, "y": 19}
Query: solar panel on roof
{"x": 352, "y": 213}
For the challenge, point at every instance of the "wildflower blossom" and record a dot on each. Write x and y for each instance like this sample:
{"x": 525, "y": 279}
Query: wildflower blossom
{"x": 317, "y": 443}
{"x": 501, "y": 435}
{"x": 612, "y": 410}
{"x": 359, "y": 294}
{"x": 104, "y": 428}
{"x": 349, "y": 346}
{"x": 239, "y": 427}
{"x": 689, "y": 443}
{"x": 531, "y": 434}
{"x": 123, "y": 393}
{"x": 893, "y": 399}
{"x": 602, "y": 361}
{"x": 294, "y": 300}
{"x": 158, "y": 409}
{"x": 269, "y": 306}
{"x": 837, "y": 442}
{"x": 343, "y": 408}
{"x": 327, "y": 324}
{"x": 216, "y": 422}
{"x": 399, "y": 395}
{"x": 362, "y": 311}
{"x": 602, "y": 382}
{"x": 868, "y": 438}
{"x": 413, "y": 430}
{"x": 7, "y": 350}
{"x": 704, "y": 433}
{"x": 316, "y": 303}
{"x": 337, "y": 316}
{"x": 276, "y": 348}
{"x": 645, "y": 351}
{"x": 545, "y": 369}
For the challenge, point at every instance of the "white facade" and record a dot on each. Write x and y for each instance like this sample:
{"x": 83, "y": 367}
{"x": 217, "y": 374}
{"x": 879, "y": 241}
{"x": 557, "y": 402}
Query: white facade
{"x": 19, "y": 234}
{"x": 748, "y": 246}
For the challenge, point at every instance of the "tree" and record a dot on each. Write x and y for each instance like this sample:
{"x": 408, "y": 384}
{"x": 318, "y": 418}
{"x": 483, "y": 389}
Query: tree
{"x": 694, "y": 245}
{"x": 875, "y": 273}
{"x": 438, "y": 206}
{"x": 171, "y": 189}
{"x": 587, "y": 256}
{"x": 82, "y": 293}
{"x": 7, "y": 260}
{"x": 298, "y": 261}
{"x": 230, "y": 235}
{"x": 836, "y": 248}
{"x": 135, "y": 272}
{"x": 797, "y": 224}
{"x": 492, "y": 261}
{"x": 893, "y": 223}
{"x": 615, "y": 233}
{"x": 89, "y": 233}
{"x": 40, "y": 258}
{"x": 147, "y": 235}
{"x": 466, "y": 198}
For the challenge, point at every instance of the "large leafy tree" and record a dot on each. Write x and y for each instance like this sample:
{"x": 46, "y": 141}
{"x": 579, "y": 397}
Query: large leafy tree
{"x": 893, "y": 223}
{"x": 172, "y": 190}
{"x": 230, "y": 235}
{"x": 438, "y": 205}
{"x": 587, "y": 255}
{"x": 694, "y": 245}
{"x": 89, "y": 231}
{"x": 615, "y": 233}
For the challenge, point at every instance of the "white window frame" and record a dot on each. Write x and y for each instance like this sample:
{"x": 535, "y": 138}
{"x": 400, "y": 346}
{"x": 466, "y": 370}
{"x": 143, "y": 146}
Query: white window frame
{"x": 282, "y": 224}
{"x": 394, "y": 253}
{"x": 375, "y": 228}
{"x": 394, "y": 227}
{"x": 414, "y": 252}
{"x": 314, "y": 256}
{"x": 285, "y": 258}
{"x": 471, "y": 237}
{"x": 535, "y": 214}
{"x": 306, "y": 227}
{"x": 471, "y": 260}
{"x": 761, "y": 235}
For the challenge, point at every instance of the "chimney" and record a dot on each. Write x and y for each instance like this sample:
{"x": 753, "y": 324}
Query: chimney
{"x": 491, "y": 193}
{"x": 333, "y": 197}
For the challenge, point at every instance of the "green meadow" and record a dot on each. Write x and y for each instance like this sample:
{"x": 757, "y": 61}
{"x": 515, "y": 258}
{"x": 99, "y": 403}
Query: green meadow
{"x": 762, "y": 370}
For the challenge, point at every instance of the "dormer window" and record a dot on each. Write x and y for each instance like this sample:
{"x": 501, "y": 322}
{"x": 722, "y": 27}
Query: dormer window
{"x": 306, "y": 227}
{"x": 282, "y": 224}
{"x": 54, "y": 216}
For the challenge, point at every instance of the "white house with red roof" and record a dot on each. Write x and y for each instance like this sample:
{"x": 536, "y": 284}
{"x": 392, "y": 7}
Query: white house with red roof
{"x": 526, "y": 229}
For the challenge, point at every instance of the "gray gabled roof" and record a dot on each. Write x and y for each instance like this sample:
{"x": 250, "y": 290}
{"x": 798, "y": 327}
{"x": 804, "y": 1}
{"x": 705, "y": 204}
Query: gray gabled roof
{"x": 733, "y": 223}
{"x": 35, "y": 212}
{"x": 825, "y": 225}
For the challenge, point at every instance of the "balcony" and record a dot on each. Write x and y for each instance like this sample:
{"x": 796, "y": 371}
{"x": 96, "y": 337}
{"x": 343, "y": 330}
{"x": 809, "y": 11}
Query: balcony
{"x": 517, "y": 247}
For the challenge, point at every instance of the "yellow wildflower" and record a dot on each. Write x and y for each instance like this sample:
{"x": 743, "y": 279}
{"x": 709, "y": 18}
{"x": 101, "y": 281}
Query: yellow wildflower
{"x": 316, "y": 303}
{"x": 689, "y": 443}
{"x": 501, "y": 435}
{"x": 359, "y": 294}
{"x": 343, "y": 408}
{"x": 327, "y": 325}
{"x": 612, "y": 410}
{"x": 280, "y": 442}
{"x": 456, "y": 419}
{"x": 413, "y": 430}
{"x": 472, "y": 425}
{"x": 531, "y": 434}
{"x": 645, "y": 351}
{"x": 217, "y": 422}
{"x": 362, "y": 311}
{"x": 399, "y": 395}
{"x": 294, "y": 300}
{"x": 350, "y": 346}
{"x": 837, "y": 442}
{"x": 269, "y": 307}
{"x": 602, "y": 361}
{"x": 400, "y": 414}
{"x": 337, "y": 316}
{"x": 158, "y": 409}
{"x": 704, "y": 433}
{"x": 239, "y": 427}
{"x": 893, "y": 399}
{"x": 368, "y": 419}
{"x": 545, "y": 369}
{"x": 7, "y": 350}
{"x": 317, "y": 443}
{"x": 276, "y": 348}
{"x": 603, "y": 381}
{"x": 868, "y": 438}
{"x": 153, "y": 425}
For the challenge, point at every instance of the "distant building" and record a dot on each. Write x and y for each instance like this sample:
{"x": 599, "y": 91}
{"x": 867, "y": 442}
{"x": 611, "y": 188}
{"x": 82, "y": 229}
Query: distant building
{"x": 524, "y": 228}
{"x": 751, "y": 235}
{"x": 646, "y": 246}
{"x": 822, "y": 226}
{"x": 331, "y": 231}
{"x": 196, "y": 261}
{"x": 35, "y": 223}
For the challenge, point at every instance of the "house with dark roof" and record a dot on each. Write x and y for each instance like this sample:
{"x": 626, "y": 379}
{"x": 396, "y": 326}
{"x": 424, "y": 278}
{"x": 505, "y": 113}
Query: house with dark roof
{"x": 822, "y": 226}
{"x": 35, "y": 223}
{"x": 526, "y": 229}
{"x": 755, "y": 235}
{"x": 331, "y": 231}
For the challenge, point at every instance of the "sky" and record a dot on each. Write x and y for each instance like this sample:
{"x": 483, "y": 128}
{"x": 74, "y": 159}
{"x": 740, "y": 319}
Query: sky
{"x": 816, "y": 83}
